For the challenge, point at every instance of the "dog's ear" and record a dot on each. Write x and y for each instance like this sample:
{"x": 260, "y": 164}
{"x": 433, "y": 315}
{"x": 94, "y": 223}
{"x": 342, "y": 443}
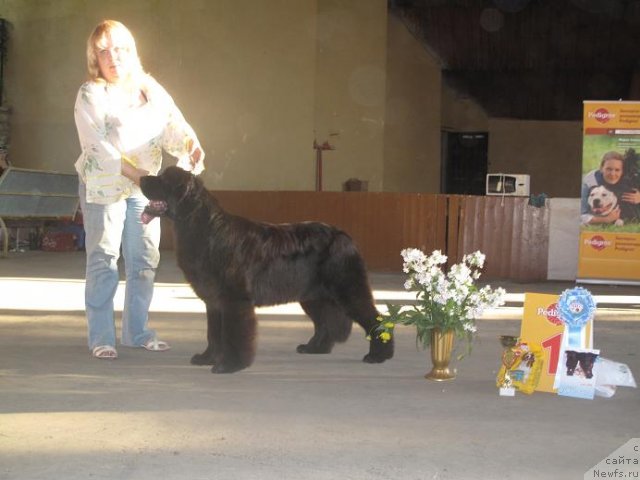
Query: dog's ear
{"x": 180, "y": 185}
{"x": 153, "y": 187}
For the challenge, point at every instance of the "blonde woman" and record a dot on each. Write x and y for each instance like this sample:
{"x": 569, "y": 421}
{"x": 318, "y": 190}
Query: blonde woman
{"x": 125, "y": 119}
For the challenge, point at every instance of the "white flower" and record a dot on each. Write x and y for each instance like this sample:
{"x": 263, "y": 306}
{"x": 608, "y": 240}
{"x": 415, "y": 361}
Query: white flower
{"x": 441, "y": 297}
{"x": 470, "y": 327}
{"x": 447, "y": 294}
{"x": 413, "y": 256}
{"x": 475, "y": 259}
{"x": 460, "y": 274}
{"x": 446, "y": 298}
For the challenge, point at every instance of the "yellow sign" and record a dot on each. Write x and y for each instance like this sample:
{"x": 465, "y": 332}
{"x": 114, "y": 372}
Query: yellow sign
{"x": 607, "y": 255}
{"x": 541, "y": 325}
{"x": 604, "y": 116}
{"x": 610, "y": 194}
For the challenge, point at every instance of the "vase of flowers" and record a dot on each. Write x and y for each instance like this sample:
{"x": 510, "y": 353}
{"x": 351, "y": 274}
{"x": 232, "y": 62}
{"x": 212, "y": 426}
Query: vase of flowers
{"x": 446, "y": 307}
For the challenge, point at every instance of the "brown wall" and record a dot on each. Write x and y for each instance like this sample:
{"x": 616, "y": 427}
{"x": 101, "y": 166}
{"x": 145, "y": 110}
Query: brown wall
{"x": 512, "y": 234}
{"x": 551, "y": 152}
{"x": 260, "y": 79}
{"x": 257, "y": 79}
{"x": 413, "y": 114}
{"x": 382, "y": 224}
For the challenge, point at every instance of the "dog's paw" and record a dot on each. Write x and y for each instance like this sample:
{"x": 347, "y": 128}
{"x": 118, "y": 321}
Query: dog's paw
{"x": 202, "y": 359}
{"x": 379, "y": 352}
{"x": 370, "y": 358}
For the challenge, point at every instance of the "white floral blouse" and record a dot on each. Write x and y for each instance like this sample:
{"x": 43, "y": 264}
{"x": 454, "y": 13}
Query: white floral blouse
{"x": 107, "y": 130}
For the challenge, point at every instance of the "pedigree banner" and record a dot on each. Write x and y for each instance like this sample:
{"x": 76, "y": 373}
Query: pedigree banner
{"x": 610, "y": 194}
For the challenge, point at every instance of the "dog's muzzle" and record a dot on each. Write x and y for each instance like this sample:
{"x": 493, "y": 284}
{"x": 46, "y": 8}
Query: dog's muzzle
{"x": 600, "y": 208}
{"x": 155, "y": 208}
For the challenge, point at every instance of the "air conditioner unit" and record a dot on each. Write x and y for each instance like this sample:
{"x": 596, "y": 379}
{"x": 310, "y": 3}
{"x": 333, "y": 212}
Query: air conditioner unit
{"x": 508, "y": 184}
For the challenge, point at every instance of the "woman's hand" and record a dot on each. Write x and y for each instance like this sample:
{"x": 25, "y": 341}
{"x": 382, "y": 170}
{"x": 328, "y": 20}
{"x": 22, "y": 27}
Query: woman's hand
{"x": 132, "y": 173}
{"x": 613, "y": 216}
{"x": 195, "y": 156}
{"x": 609, "y": 218}
{"x": 195, "y": 153}
{"x": 632, "y": 196}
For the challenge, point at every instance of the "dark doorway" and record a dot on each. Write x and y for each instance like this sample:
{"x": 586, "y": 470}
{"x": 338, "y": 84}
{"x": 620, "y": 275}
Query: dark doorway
{"x": 464, "y": 162}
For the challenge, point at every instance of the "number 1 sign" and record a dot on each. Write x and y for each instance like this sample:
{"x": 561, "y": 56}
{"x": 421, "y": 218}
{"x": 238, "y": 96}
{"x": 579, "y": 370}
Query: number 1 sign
{"x": 541, "y": 325}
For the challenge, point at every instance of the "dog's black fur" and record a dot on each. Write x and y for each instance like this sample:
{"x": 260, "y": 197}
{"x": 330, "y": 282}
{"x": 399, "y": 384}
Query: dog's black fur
{"x": 585, "y": 359}
{"x": 235, "y": 264}
{"x": 629, "y": 212}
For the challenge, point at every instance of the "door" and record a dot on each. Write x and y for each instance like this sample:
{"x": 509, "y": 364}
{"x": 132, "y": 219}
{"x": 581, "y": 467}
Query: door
{"x": 464, "y": 162}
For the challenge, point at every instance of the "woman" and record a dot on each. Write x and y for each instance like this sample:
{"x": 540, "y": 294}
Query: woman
{"x": 124, "y": 120}
{"x": 611, "y": 174}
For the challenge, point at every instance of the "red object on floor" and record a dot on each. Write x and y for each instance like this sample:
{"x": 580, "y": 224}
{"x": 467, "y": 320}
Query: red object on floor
{"x": 59, "y": 242}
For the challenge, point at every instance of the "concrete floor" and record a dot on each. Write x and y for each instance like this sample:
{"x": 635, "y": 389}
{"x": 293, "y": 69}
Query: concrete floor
{"x": 64, "y": 415}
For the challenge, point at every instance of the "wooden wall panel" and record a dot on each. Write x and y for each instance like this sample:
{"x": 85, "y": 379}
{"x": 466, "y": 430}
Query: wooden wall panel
{"x": 451, "y": 217}
{"x": 512, "y": 234}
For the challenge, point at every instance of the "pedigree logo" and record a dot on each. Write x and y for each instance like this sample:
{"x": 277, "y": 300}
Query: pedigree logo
{"x": 597, "y": 242}
{"x": 602, "y": 115}
{"x": 550, "y": 313}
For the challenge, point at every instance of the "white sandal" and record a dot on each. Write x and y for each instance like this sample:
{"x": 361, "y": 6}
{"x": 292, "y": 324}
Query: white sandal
{"x": 104, "y": 352}
{"x": 155, "y": 345}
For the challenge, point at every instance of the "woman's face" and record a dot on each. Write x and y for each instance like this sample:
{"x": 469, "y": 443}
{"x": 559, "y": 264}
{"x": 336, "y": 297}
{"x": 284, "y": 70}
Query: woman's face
{"x": 612, "y": 171}
{"x": 114, "y": 57}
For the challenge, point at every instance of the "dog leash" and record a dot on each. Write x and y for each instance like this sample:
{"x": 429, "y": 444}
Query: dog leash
{"x": 129, "y": 161}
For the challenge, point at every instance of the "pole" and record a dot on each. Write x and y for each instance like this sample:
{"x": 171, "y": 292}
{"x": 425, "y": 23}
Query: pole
{"x": 318, "y": 170}
{"x": 319, "y": 148}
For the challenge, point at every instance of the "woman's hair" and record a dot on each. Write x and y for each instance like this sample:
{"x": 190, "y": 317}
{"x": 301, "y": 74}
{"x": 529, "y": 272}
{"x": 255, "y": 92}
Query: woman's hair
{"x": 611, "y": 156}
{"x": 104, "y": 28}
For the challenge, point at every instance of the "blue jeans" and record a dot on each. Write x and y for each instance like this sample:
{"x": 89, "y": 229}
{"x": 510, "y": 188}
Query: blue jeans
{"x": 107, "y": 229}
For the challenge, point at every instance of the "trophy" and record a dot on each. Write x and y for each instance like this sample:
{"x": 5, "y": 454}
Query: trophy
{"x": 510, "y": 358}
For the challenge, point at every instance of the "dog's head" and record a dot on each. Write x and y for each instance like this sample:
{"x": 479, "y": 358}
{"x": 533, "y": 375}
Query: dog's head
{"x": 572, "y": 361}
{"x": 166, "y": 191}
{"x": 587, "y": 360}
{"x": 631, "y": 166}
{"x": 602, "y": 201}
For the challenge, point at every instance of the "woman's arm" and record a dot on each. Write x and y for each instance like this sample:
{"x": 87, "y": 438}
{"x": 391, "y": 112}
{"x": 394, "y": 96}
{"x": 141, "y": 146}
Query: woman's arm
{"x": 179, "y": 139}
{"x": 609, "y": 218}
{"x": 632, "y": 196}
{"x": 131, "y": 171}
{"x": 584, "y": 195}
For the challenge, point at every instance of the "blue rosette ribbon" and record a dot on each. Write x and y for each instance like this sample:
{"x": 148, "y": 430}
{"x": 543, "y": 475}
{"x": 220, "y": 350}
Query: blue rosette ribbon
{"x": 576, "y": 307}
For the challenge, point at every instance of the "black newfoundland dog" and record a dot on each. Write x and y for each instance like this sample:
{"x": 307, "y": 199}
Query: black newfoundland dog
{"x": 234, "y": 264}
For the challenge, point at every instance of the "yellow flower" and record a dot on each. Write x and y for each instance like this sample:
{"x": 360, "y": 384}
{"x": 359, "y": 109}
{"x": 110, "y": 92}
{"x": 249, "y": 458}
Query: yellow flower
{"x": 379, "y": 318}
{"x": 389, "y": 325}
{"x": 385, "y": 337}
{"x": 368, "y": 337}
